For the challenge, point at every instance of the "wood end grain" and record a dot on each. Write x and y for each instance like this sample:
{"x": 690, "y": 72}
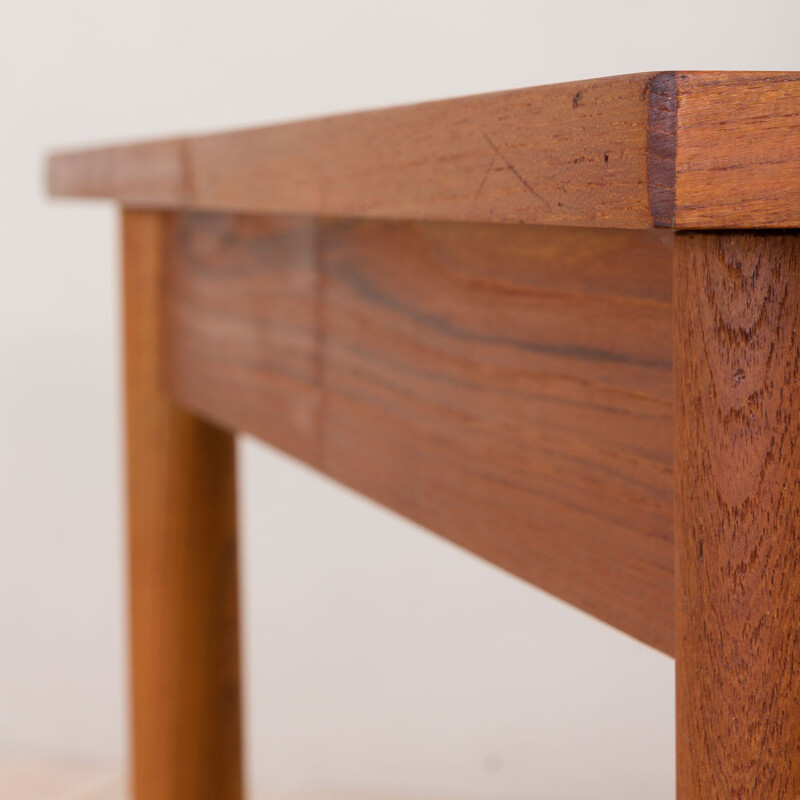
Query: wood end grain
{"x": 662, "y": 126}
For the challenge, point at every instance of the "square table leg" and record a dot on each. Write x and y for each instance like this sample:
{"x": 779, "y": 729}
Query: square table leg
{"x": 737, "y": 466}
{"x": 182, "y": 560}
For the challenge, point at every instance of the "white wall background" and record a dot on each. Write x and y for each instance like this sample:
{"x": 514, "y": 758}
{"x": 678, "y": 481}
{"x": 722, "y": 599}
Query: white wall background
{"x": 379, "y": 659}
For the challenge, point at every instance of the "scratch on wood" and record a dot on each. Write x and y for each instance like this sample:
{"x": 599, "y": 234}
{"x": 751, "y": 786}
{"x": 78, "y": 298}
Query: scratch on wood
{"x": 516, "y": 173}
{"x": 485, "y": 177}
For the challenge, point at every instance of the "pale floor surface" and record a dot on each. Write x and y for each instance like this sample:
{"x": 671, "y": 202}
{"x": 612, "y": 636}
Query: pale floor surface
{"x": 27, "y": 778}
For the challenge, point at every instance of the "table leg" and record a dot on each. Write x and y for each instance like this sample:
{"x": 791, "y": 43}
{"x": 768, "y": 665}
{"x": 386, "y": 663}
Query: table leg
{"x": 737, "y": 452}
{"x": 182, "y": 561}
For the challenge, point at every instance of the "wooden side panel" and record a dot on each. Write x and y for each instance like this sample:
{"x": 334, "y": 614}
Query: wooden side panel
{"x": 738, "y": 150}
{"x": 508, "y": 387}
{"x": 182, "y": 560}
{"x": 570, "y": 154}
{"x": 737, "y": 369}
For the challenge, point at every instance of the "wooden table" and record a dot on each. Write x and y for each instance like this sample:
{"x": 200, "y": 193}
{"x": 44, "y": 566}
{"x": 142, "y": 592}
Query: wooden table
{"x": 603, "y": 398}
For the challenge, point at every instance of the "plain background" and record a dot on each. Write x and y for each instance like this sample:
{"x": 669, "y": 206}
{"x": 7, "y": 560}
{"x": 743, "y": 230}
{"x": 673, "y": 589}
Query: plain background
{"x": 379, "y": 659}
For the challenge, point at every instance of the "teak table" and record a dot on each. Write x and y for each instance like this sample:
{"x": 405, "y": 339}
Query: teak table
{"x": 603, "y": 399}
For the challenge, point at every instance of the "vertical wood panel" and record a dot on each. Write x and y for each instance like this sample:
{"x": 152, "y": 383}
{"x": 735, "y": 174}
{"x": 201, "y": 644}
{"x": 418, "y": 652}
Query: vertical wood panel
{"x": 737, "y": 378}
{"x": 182, "y": 561}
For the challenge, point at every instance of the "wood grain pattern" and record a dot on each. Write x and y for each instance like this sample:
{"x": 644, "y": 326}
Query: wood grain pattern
{"x": 738, "y": 150}
{"x": 737, "y": 366}
{"x": 572, "y": 154}
{"x": 507, "y": 387}
{"x": 670, "y": 149}
{"x": 182, "y": 561}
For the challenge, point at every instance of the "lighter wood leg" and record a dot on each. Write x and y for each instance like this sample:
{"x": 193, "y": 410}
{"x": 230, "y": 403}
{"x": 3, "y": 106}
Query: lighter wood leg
{"x": 737, "y": 380}
{"x": 182, "y": 557}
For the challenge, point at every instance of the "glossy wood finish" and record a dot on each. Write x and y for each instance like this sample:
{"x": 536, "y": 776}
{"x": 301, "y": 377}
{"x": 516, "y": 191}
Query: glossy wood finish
{"x": 670, "y": 149}
{"x": 737, "y": 365}
{"x": 507, "y": 387}
{"x": 182, "y": 560}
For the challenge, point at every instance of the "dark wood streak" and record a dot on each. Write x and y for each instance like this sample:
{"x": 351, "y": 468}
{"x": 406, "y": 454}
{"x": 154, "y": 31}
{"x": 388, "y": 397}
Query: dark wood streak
{"x": 507, "y": 387}
{"x": 662, "y": 126}
{"x": 443, "y": 325}
{"x": 737, "y": 370}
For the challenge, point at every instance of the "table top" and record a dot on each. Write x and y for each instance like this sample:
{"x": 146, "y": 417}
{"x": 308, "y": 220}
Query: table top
{"x": 666, "y": 149}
